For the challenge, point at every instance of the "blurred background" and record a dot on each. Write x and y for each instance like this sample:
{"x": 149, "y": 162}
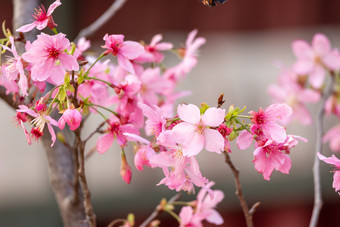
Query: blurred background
{"x": 244, "y": 39}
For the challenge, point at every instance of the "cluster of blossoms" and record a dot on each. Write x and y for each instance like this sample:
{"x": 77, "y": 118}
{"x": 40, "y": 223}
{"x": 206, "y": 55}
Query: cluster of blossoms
{"x": 306, "y": 82}
{"x": 54, "y": 75}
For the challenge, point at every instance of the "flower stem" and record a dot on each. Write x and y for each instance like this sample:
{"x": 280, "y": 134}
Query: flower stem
{"x": 87, "y": 72}
{"x": 111, "y": 111}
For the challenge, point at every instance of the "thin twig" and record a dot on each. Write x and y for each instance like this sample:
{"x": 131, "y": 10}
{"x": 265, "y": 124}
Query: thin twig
{"x": 318, "y": 148}
{"x": 248, "y": 214}
{"x": 110, "y": 12}
{"x": 157, "y": 211}
{"x": 95, "y": 131}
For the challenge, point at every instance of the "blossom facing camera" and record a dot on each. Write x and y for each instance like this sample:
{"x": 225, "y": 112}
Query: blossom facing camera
{"x": 124, "y": 50}
{"x": 49, "y": 59}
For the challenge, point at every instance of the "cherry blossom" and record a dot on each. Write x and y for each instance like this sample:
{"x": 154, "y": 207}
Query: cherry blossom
{"x": 15, "y": 67}
{"x": 198, "y": 130}
{"x": 270, "y": 155}
{"x": 124, "y": 50}
{"x": 114, "y": 131}
{"x": 332, "y": 136}
{"x": 39, "y": 122}
{"x": 42, "y": 18}
{"x": 49, "y": 59}
{"x": 267, "y": 120}
{"x": 336, "y": 163}
{"x": 288, "y": 90}
{"x": 152, "y": 51}
{"x": 314, "y": 59}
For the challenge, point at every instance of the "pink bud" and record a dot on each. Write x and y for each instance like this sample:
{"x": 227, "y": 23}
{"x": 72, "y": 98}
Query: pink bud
{"x": 72, "y": 117}
{"x": 125, "y": 169}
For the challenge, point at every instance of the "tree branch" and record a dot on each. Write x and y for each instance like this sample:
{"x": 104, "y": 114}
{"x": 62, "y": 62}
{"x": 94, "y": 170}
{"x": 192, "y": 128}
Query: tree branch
{"x": 318, "y": 148}
{"x": 110, "y": 12}
{"x": 248, "y": 214}
{"x": 157, "y": 211}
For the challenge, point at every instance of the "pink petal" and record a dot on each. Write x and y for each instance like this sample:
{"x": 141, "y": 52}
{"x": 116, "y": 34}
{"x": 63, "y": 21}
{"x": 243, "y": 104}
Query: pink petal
{"x": 332, "y": 60}
{"x": 69, "y": 62}
{"x": 131, "y": 49}
{"x": 214, "y": 141}
{"x": 302, "y": 50}
{"x": 303, "y": 66}
{"x": 213, "y": 117}
{"x": 261, "y": 165}
{"x": 336, "y": 181}
{"x": 331, "y": 160}
{"x": 286, "y": 165}
{"x": 27, "y": 27}
{"x": 53, "y": 136}
{"x": 189, "y": 113}
{"x": 321, "y": 44}
{"x": 215, "y": 218}
{"x": 125, "y": 64}
{"x": 61, "y": 123}
{"x": 244, "y": 140}
{"x": 275, "y": 132}
{"x": 278, "y": 111}
{"x": 104, "y": 142}
{"x": 317, "y": 76}
{"x": 193, "y": 144}
{"x": 309, "y": 96}
{"x": 52, "y": 7}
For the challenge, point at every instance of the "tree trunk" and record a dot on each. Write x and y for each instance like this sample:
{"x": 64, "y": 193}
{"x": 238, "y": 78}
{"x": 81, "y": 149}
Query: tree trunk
{"x": 60, "y": 159}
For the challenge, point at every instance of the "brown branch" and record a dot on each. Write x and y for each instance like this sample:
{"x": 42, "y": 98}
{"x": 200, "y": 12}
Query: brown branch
{"x": 157, "y": 211}
{"x": 90, "y": 215}
{"x": 110, "y": 12}
{"x": 248, "y": 214}
{"x": 95, "y": 131}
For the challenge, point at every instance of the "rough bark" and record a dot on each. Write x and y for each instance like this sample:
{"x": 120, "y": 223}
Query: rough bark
{"x": 60, "y": 160}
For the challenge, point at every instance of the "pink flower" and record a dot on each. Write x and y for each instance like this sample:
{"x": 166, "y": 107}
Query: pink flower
{"x": 189, "y": 57}
{"x": 204, "y": 208}
{"x": 206, "y": 204}
{"x": 188, "y": 218}
{"x": 15, "y": 67}
{"x": 144, "y": 150}
{"x": 197, "y": 129}
{"x": 291, "y": 92}
{"x": 72, "y": 117}
{"x": 267, "y": 121}
{"x": 152, "y": 85}
{"x": 333, "y": 137}
{"x": 181, "y": 172}
{"x": 39, "y": 121}
{"x": 42, "y": 19}
{"x": 114, "y": 131}
{"x": 49, "y": 59}
{"x": 272, "y": 155}
{"x": 152, "y": 51}
{"x": 336, "y": 163}
{"x": 124, "y": 50}
{"x": 155, "y": 124}
{"x": 315, "y": 59}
